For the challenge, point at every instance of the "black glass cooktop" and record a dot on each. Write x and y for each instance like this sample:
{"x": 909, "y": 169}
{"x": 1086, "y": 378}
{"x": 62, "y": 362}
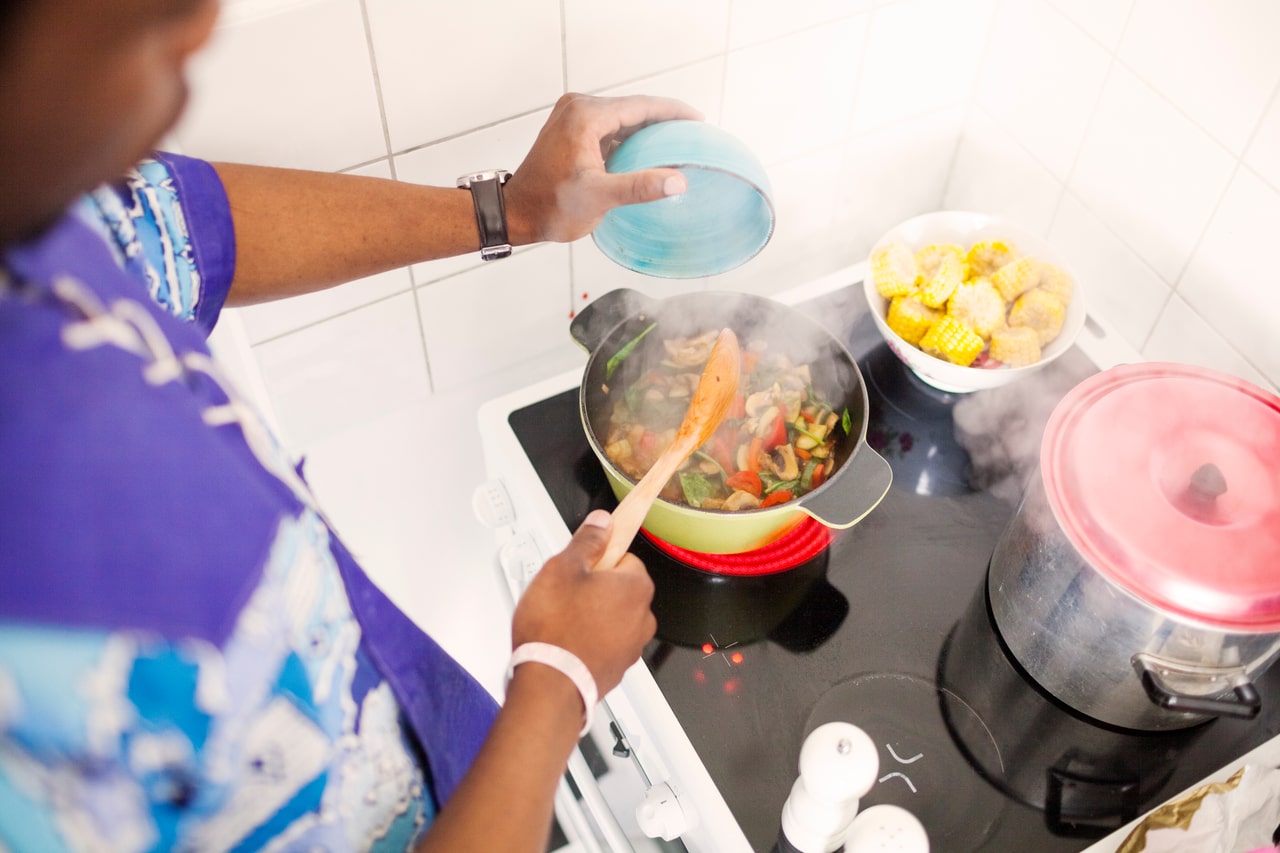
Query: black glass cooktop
{"x": 889, "y": 629}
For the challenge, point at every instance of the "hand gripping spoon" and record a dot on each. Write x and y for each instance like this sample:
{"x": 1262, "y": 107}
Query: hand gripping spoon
{"x": 710, "y": 402}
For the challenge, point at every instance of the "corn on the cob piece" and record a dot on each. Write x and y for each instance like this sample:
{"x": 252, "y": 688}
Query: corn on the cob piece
{"x": 941, "y": 272}
{"x": 1040, "y": 310}
{"x": 928, "y": 258}
{"x": 953, "y": 341}
{"x": 1016, "y": 277}
{"x": 978, "y": 305}
{"x": 893, "y": 270}
{"x": 910, "y": 318}
{"x": 1016, "y": 346}
{"x": 1054, "y": 279}
{"x": 987, "y": 256}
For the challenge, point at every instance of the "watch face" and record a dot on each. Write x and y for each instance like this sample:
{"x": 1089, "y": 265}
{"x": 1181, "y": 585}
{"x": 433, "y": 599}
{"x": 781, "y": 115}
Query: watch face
{"x": 500, "y": 175}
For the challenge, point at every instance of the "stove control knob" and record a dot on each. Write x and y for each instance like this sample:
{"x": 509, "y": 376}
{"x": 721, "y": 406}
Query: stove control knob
{"x": 660, "y": 815}
{"x": 886, "y": 829}
{"x": 492, "y": 505}
{"x": 520, "y": 559}
{"x": 838, "y": 766}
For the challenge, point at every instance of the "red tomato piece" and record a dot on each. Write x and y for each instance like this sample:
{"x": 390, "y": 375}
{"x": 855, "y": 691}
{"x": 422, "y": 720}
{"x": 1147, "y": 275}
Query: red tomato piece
{"x": 747, "y": 481}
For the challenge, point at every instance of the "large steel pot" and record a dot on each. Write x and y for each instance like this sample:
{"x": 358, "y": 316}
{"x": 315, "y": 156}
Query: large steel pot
{"x": 861, "y": 478}
{"x": 1086, "y": 778}
{"x": 1139, "y": 580}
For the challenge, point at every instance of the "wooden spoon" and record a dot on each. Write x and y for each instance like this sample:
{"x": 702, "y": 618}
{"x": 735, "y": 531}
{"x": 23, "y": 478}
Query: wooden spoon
{"x": 710, "y": 402}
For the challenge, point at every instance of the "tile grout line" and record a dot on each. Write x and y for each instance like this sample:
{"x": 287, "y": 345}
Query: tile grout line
{"x": 391, "y": 164}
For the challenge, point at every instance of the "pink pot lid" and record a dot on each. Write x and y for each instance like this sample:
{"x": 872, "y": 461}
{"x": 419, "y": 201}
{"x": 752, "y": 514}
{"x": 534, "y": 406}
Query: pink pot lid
{"x": 1166, "y": 479}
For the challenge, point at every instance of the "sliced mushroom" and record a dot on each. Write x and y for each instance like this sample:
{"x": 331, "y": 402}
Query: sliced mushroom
{"x": 741, "y": 500}
{"x": 783, "y": 462}
{"x": 757, "y": 403}
{"x": 690, "y": 352}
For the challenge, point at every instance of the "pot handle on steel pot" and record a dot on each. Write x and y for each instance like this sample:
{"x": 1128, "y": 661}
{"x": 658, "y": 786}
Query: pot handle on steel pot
{"x": 1152, "y": 669}
{"x": 861, "y": 485}
{"x": 594, "y": 322}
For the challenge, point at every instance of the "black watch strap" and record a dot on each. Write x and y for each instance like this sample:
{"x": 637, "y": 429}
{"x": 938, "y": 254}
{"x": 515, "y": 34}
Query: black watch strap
{"x": 491, "y": 211}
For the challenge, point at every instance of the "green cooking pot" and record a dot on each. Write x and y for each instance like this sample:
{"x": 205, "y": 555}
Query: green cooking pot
{"x": 861, "y": 476}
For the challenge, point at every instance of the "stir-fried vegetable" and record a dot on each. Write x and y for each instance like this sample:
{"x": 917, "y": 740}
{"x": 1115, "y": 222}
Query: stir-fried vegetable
{"x": 775, "y": 444}
{"x": 625, "y": 350}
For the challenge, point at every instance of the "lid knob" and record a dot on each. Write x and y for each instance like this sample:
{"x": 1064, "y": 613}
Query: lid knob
{"x": 1208, "y": 481}
{"x": 1199, "y": 499}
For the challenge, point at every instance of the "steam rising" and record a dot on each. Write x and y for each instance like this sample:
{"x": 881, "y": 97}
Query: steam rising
{"x": 1001, "y": 428}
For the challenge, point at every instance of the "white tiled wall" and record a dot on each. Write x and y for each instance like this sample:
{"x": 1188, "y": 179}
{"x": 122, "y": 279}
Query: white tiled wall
{"x": 1141, "y": 136}
{"x": 1143, "y": 139}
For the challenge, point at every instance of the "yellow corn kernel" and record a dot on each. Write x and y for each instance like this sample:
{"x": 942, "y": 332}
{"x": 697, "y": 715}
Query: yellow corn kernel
{"x": 1016, "y": 277}
{"x": 1054, "y": 279}
{"x": 1016, "y": 346}
{"x": 978, "y": 305}
{"x": 952, "y": 340}
{"x": 910, "y": 318}
{"x": 1039, "y": 310}
{"x": 893, "y": 270}
{"x": 987, "y": 256}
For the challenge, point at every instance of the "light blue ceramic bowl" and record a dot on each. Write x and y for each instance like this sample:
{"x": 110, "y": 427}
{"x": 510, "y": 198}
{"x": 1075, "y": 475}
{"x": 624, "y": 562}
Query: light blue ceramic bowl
{"x": 722, "y": 221}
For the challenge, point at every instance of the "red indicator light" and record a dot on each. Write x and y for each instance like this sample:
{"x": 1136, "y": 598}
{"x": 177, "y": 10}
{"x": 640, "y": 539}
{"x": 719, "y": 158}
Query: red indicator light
{"x": 707, "y": 648}
{"x": 736, "y": 657}
{"x": 699, "y": 676}
{"x": 731, "y": 686}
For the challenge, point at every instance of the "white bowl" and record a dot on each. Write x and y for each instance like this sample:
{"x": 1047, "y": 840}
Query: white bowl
{"x": 966, "y": 228}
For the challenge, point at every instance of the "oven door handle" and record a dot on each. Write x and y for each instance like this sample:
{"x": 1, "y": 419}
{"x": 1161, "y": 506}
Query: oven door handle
{"x": 606, "y": 826}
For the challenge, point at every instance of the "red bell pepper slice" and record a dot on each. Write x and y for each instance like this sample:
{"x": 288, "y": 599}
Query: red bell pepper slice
{"x": 819, "y": 477}
{"x": 781, "y": 496}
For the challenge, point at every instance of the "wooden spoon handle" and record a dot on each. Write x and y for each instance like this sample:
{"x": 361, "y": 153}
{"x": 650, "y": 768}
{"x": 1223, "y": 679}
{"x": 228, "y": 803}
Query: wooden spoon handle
{"x": 635, "y": 504}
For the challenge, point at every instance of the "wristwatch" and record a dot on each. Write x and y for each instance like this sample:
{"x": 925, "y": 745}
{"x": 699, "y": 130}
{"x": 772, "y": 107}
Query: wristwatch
{"x": 491, "y": 212}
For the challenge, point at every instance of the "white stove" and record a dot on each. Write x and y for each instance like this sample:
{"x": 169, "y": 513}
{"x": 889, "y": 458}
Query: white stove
{"x": 698, "y": 747}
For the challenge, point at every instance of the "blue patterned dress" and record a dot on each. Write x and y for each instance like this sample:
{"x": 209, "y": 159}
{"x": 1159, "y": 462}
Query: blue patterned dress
{"x": 189, "y": 658}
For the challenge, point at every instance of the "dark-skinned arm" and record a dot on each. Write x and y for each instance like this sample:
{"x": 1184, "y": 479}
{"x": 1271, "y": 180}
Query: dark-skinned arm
{"x": 298, "y": 231}
{"x": 505, "y": 801}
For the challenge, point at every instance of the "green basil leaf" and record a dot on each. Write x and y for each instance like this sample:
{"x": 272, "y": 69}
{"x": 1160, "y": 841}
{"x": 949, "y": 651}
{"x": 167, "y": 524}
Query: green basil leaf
{"x": 697, "y": 488}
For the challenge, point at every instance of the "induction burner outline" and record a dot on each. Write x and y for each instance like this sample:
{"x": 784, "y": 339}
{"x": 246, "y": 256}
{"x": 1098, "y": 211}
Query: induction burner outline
{"x": 919, "y": 760}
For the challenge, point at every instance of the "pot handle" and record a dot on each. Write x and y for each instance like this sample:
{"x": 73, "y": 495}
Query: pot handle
{"x": 1245, "y": 702}
{"x": 602, "y": 315}
{"x": 846, "y": 500}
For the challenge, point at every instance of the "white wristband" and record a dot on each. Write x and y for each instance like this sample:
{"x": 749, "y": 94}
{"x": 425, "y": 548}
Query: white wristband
{"x": 569, "y": 664}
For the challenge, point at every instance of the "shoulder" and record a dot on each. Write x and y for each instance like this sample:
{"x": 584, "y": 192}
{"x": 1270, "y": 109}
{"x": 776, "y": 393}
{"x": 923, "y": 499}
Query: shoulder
{"x": 170, "y": 223}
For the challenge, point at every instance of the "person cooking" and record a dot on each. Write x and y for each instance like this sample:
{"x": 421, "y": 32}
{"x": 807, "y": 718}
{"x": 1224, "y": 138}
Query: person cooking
{"x": 189, "y": 658}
